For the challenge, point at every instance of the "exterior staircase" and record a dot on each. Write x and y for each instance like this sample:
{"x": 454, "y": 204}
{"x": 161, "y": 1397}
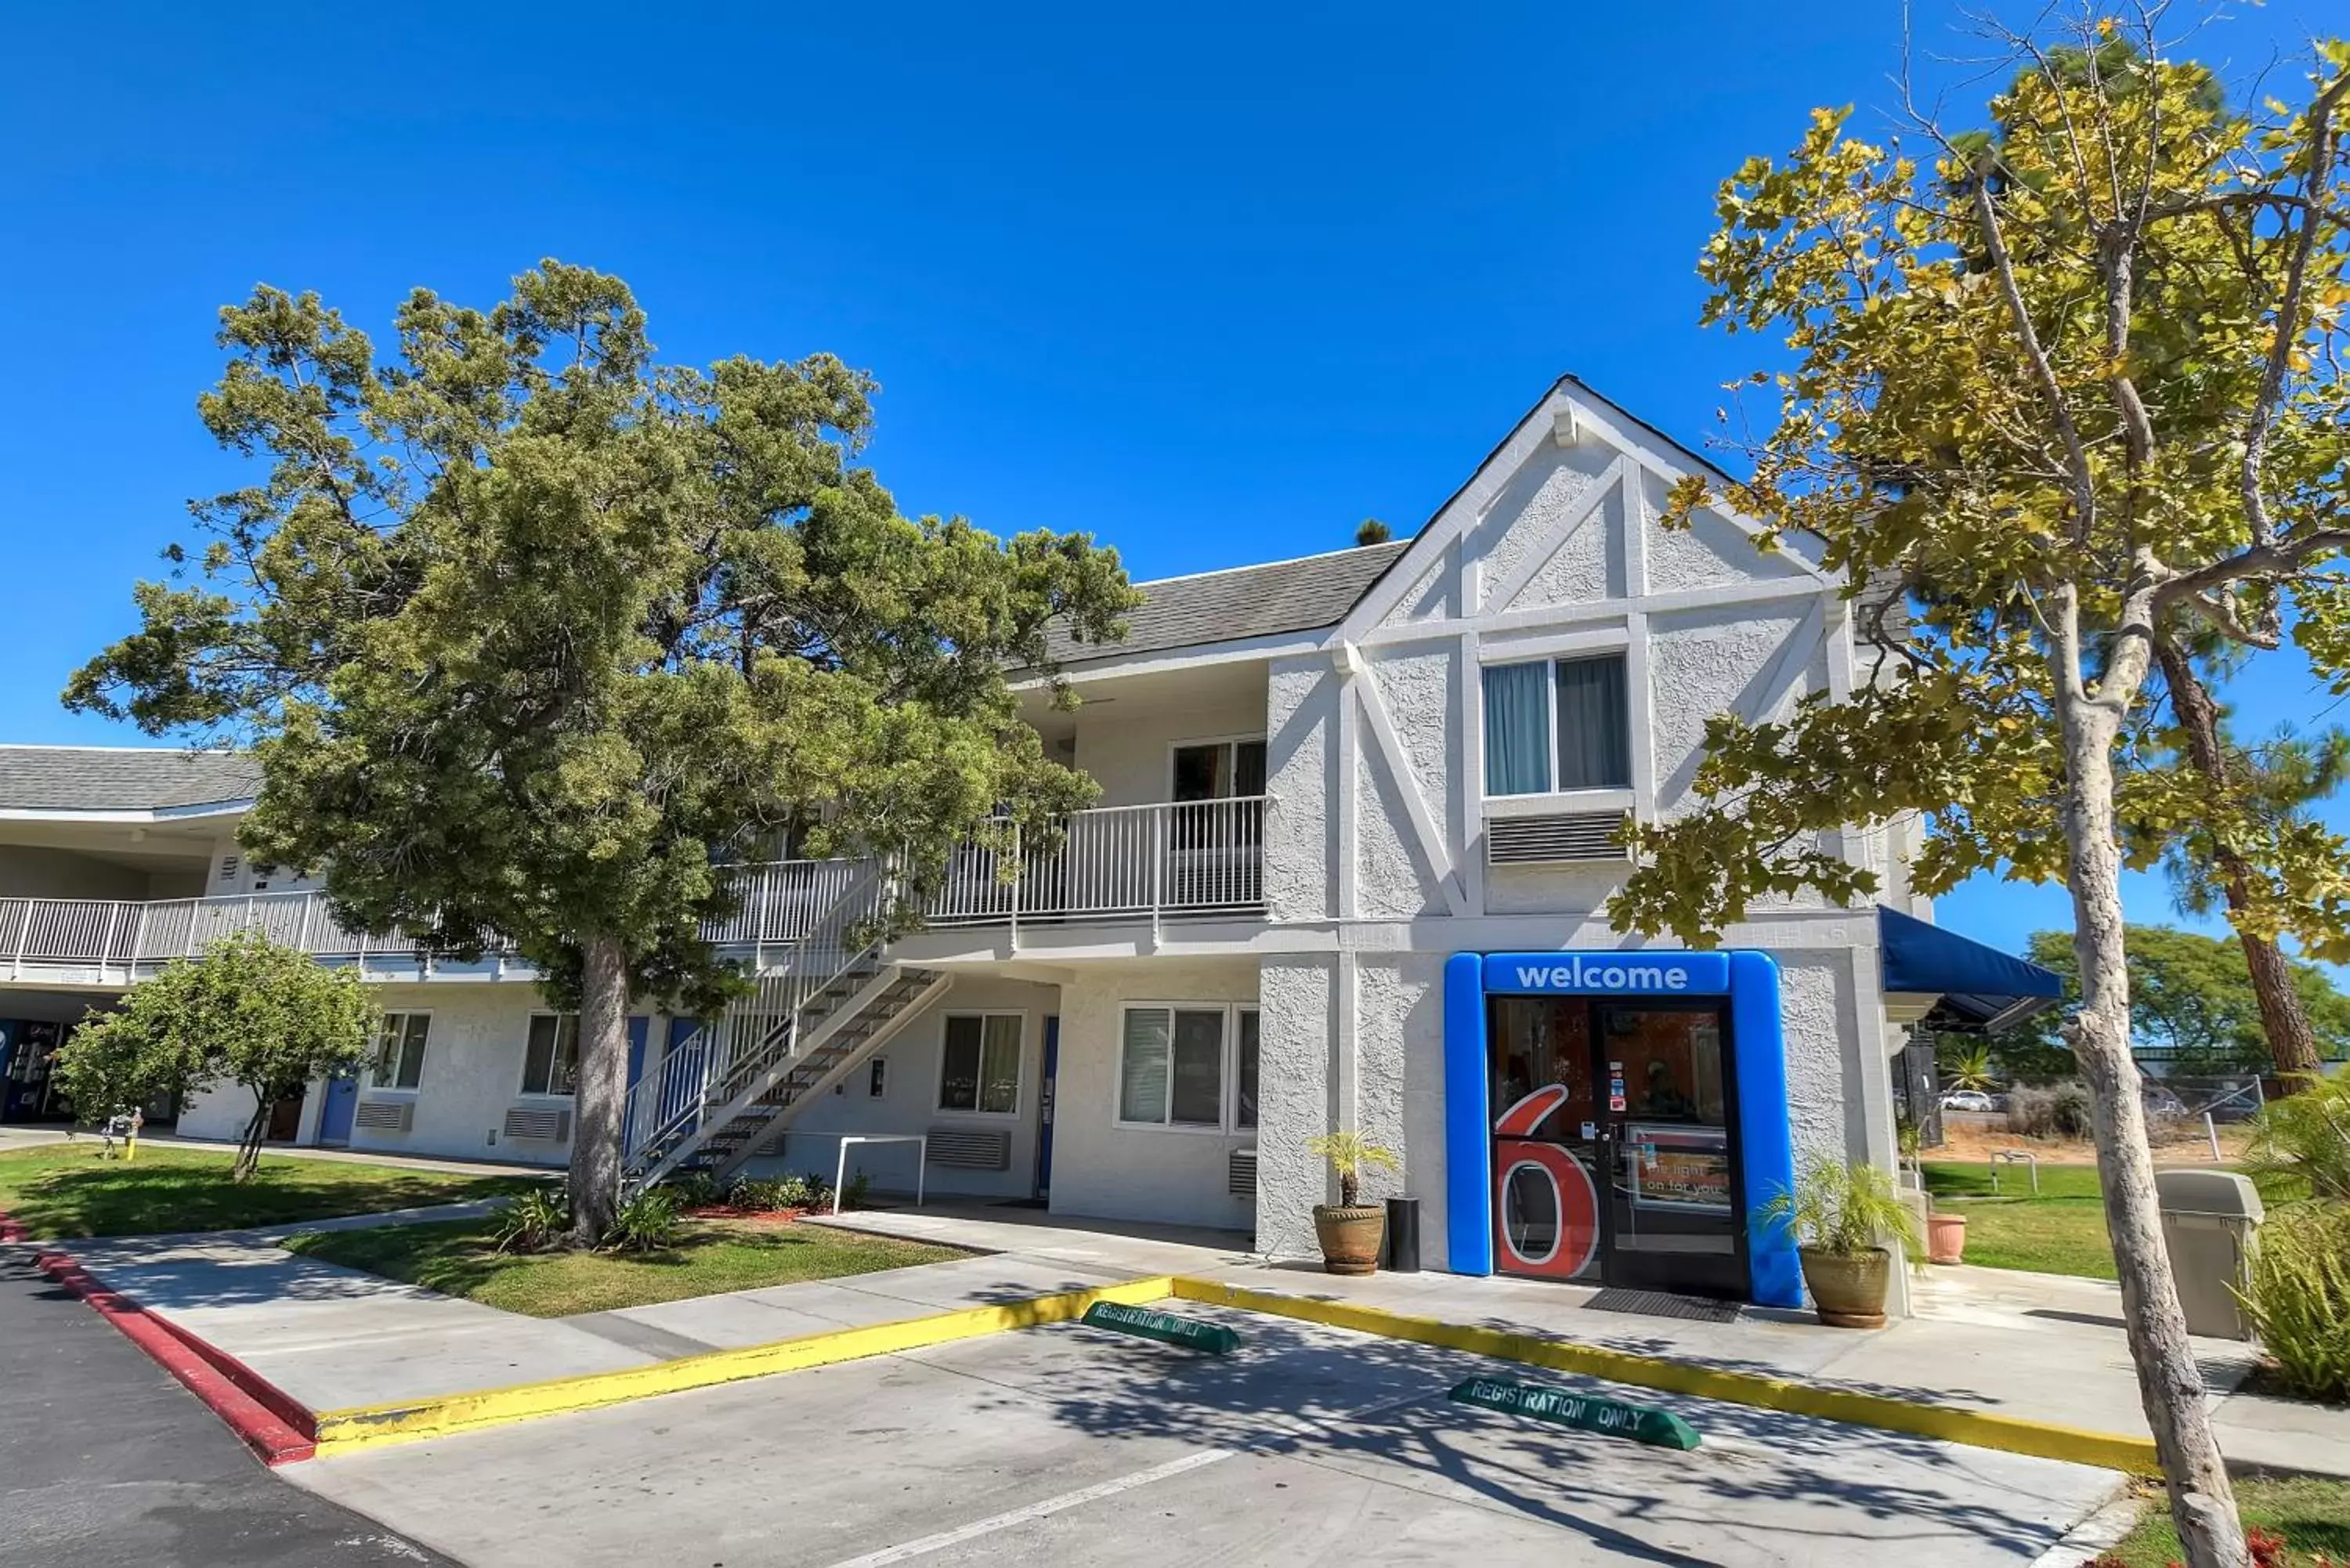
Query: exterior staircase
{"x": 728, "y": 1088}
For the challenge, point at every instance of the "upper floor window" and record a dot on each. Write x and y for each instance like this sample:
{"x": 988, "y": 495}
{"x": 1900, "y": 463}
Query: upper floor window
{"x": 400, "y": 1050}
{"x": 1557, "y": 724}
{"x": 1218, "y": 770}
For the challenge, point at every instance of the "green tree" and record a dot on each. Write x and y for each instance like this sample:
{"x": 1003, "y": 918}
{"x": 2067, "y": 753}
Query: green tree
{"x": 2266, "y": 791}
{"x": 1372, "y": 532}
{"x": 2065, "y": 385}
{"x": 2192, "y": 997}
{"x": 532, "y": 634}
{"x": 268, "y": 1019}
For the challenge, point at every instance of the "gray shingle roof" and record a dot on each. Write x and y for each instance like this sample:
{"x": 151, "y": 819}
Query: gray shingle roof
{"x": 1247, "y": 601}
{"x": 110, "y": 778}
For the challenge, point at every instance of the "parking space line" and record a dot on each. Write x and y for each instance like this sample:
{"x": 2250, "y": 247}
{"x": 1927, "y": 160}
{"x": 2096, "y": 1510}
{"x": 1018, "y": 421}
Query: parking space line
{"x": 1051, "y": 1505}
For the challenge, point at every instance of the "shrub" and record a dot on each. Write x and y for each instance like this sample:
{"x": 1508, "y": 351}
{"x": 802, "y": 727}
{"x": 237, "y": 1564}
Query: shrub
{"x": 532, "y": 1223}
{"x": 647, "y": 1222}
{"x": 853, "y": 1195}
{"x": 1843, "y": 1207}
{"x": 2298, "y": 1297}
{"x": 695, "y": 1190}
{"x": 2060, "y": 1111}
{"x": 2301, "y": 1144}
{"x": 758, "y": 1194}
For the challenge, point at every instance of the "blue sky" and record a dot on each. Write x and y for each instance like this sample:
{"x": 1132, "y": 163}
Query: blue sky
{"x": 1214, "y": 283}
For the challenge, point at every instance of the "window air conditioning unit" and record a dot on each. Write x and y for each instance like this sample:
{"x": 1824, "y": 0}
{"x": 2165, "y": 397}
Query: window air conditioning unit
{"x": 969, "y": 1150}
{"x": 385, "y": 1115}
{"x": 538, "y": 1124}
{"x": 1574, "y": 838}
{"x": 1239, "y": 1173}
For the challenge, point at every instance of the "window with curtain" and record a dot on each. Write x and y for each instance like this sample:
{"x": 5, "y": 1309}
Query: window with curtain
{"x": 550, "y": 1061}
{"x": 400, "y": 1050}
{"x": 1173, "y": 1067}
{"x": 1557, "y": 724}
{"x": 979, "y": 1068}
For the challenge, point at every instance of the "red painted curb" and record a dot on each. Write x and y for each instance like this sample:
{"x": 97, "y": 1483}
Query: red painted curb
{"x": 267, "y": 1418}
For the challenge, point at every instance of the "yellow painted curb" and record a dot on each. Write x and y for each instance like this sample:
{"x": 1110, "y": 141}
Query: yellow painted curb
{"x": 1977, "y": 1428}
{"x": 342, "y": 1431}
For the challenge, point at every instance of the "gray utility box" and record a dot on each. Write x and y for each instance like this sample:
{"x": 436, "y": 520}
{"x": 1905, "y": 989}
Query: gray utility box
{"x": 2207, "y": 1221}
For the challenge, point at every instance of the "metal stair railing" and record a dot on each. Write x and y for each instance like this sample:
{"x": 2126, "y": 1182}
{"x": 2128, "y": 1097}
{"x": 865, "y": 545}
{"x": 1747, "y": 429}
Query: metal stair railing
{"x": 669, "y": 1109}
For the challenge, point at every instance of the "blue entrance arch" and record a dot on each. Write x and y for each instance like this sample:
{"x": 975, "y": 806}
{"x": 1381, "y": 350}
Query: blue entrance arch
{"x": 1758, "y": 1052}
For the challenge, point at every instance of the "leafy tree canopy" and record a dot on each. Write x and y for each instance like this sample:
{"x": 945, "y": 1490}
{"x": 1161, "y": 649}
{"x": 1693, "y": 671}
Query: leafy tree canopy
{"x": 245, "y": 1012}
{"x": 532, "y": 634}
{"x": 2190, "y": 998}
{"x": 2019, "y": 456}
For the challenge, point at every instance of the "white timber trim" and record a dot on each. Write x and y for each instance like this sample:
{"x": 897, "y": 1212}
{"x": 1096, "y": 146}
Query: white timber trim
{"x": 1346, "y": 771}
{"x": 1724, "y": 597}
{"x": 1544, "y": 548}
{"x": 1469, "y": 505}
{"x": 1469, "y": 776}
{"x": 1605, "y": 640}
{"x": 1415, "y": 804}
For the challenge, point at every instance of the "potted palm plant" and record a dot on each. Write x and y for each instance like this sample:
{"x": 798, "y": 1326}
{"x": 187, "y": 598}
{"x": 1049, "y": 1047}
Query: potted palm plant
{"x": 1838, "y": 1212}
{"x": 1350, "y": 1230}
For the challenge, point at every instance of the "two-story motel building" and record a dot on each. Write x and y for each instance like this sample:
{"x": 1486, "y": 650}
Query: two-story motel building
{"x": 1348, "y": 870}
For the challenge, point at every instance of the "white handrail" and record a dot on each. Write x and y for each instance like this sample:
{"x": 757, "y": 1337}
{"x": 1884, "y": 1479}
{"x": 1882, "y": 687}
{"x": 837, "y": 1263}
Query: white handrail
{"x": 1115, "y": 862}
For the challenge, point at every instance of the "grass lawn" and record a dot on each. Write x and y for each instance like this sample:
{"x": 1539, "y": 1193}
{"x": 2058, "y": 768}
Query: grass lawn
{"x": 456, "y": 1258}
{"x": 60, "y": 1191}
{"x": 2061, "y": 1231}
{"x": 2314, "y": 1517}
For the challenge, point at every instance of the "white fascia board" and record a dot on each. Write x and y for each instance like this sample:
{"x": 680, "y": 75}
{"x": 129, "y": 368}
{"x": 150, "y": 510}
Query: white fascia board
{"x": 1243, "y": 650}
{"x": 129, "y": 818}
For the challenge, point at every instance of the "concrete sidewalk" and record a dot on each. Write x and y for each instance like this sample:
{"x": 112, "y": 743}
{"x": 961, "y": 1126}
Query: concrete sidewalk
{"x": 2043, "y": 1347}
{"x": 2040, "y": 1347}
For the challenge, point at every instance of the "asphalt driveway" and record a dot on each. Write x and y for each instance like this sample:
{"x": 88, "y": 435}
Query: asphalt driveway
{"x": 1075, "y": 1445}
{"x": 107, "y": 1462}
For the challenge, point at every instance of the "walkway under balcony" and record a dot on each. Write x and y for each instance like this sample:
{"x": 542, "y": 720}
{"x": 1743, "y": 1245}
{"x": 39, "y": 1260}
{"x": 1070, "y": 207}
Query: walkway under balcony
{"x": 1189, "y": 860}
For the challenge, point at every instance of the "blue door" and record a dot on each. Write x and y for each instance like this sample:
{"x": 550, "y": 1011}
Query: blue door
{"x": 1044, "y": 1108}
{"x": 637, "y": 1027}
{"x": 335, "y": 1115}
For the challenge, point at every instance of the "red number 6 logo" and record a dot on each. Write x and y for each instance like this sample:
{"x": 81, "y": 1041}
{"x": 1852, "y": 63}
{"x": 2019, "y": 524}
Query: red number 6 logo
{"x": 1573, "y": 1198}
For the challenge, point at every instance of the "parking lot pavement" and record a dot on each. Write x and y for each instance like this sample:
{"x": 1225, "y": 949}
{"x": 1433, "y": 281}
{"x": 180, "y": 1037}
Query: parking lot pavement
{"x": 106, "y": 1462}
{"x": 1070, "y": 1444}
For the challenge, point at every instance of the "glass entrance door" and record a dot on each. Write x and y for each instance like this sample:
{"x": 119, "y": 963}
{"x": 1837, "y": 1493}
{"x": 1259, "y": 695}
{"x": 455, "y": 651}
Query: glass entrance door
{"x": 1674, "y": 1205}
{"x": 1614, "y": 1149}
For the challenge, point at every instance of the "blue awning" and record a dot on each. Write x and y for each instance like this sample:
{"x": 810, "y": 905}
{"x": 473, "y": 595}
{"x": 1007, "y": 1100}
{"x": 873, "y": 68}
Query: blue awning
{"x": 1981, "y": 985}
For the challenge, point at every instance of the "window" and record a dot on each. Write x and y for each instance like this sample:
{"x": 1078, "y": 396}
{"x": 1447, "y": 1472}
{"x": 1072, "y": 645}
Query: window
{"x": 1218, "y": 770}
{"x": 550, "y": 1062}
{"x": 979, "y": 1069}
{"x": 1557, "y": 724}
{"x": 400, "y": 1050}
{"x": 1175, "y": 1063}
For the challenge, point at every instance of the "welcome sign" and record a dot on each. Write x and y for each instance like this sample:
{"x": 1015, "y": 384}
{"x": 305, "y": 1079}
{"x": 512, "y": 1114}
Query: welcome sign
{"x": 1623, "y": 972}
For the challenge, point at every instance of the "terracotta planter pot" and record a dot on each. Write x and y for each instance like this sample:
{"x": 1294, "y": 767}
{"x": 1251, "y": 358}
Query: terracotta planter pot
{"x": 1946, "y": 1238}
{"x": 1350, "y": 1238}
{"x": 1849, "y": 1289}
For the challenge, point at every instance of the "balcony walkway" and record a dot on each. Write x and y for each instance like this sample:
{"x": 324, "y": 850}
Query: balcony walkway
{"x": 1140, "y": 863}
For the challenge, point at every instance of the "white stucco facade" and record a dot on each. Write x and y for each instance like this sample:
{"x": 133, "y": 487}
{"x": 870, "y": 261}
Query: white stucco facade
{"x": 1377, "y": 860}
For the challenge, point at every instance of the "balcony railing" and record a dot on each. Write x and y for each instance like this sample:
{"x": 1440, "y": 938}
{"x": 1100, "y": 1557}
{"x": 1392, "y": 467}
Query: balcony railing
{"x": 1192, "y": 858}
{"x": 1132, "y": 862}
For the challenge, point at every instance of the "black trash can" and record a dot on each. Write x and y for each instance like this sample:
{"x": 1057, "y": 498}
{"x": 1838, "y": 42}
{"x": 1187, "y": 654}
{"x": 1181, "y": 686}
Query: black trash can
{"x": 1403, "y": 1236}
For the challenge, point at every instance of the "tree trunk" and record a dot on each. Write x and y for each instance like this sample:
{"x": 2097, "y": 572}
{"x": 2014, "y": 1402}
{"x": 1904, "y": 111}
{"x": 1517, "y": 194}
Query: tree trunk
{"x": 602, "y": 1096}
{"x": 2170, "y": 1385}
{"x": 248, "y": 1150}
{"x": 2293, "y": 1045}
